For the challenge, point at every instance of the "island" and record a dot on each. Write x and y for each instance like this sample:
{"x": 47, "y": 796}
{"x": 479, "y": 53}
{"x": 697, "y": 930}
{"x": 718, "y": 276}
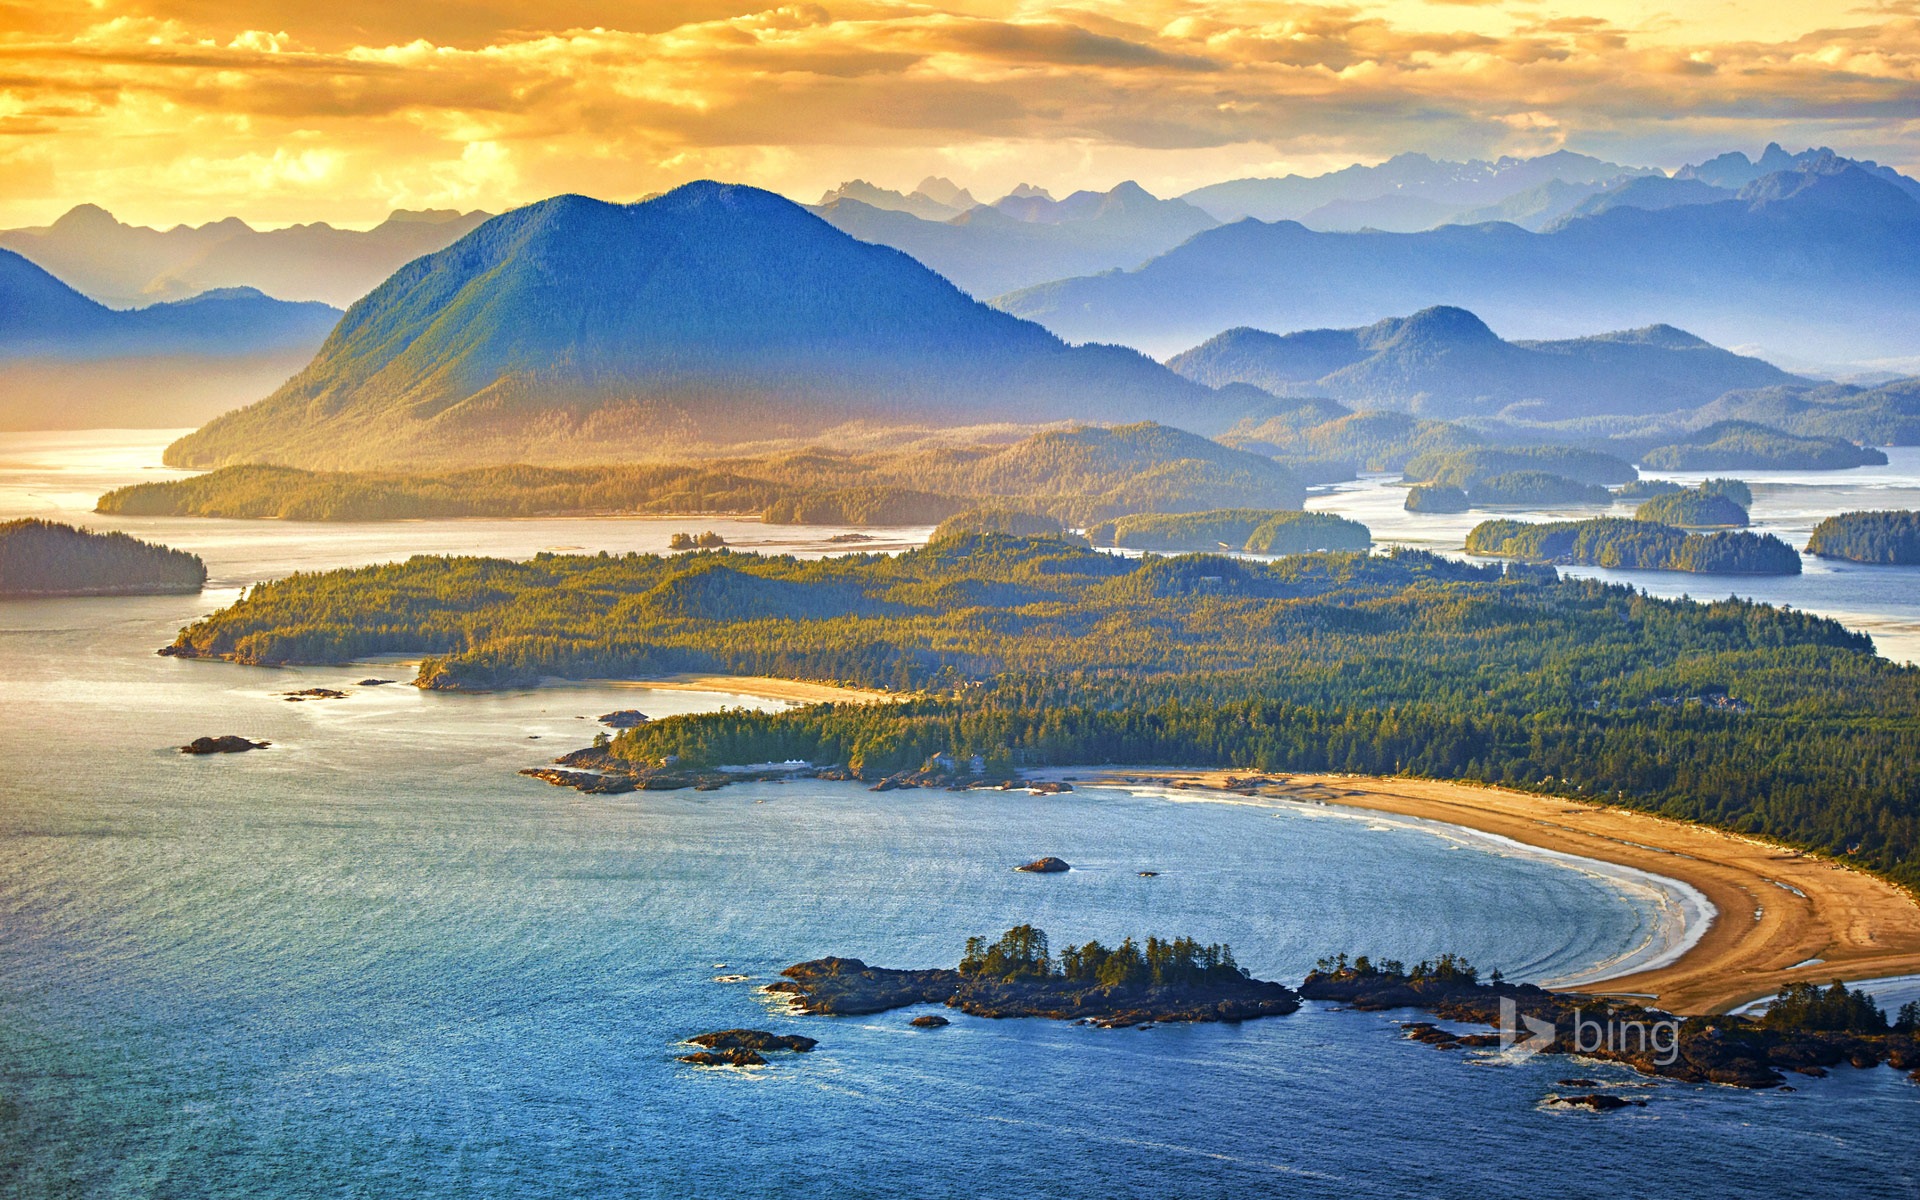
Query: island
{"x": 1465, "y": 466}
{"x": 1073, "y": 475}
{"x": 1747, "y": 446}
{"x": 696, "y": 541}
{"x": 1164, "y": 980}
{"x": 1807, "y": 1028}
{"x": 1634, "y": 544}
{"x": 1437, "y": 498}
{"x": 45, "y": 558}
{"x": 1534, "y": 489}
{"x": 1694, "y": 508}
{"x": 224, "y": 744}
{"x": 1884, "y": 538}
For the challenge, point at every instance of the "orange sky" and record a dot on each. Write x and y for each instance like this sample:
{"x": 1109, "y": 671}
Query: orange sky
{"x": 290, "y": 110}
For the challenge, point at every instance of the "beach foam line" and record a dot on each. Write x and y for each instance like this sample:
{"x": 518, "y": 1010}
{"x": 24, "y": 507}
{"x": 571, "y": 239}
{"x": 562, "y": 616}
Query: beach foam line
{"x": 1676, "y": 915}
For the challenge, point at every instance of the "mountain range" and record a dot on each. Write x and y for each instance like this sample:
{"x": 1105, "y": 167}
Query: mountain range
{"x": 1816, "y": 263}
{"x": 126, "y": 265}
{"x": 1027, "y": 237}
{"x": 576, "y": 330}
{"x": 68, "y": 362}
{"x": 1446, "y": 363}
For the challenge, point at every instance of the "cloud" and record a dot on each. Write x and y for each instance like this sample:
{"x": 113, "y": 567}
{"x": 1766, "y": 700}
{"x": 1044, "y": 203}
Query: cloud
{"x": 185, "y": 109}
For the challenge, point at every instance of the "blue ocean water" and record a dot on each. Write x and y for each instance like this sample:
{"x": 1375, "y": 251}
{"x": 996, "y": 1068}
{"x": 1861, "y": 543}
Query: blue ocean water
{"x": 373, "y": 961}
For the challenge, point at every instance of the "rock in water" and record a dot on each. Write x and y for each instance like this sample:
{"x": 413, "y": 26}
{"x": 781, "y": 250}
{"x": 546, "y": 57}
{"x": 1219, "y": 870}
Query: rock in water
{"x": 1046, "y": 866}
{"x": 227, "y": 744}
{"x": 930, "y": 1021}
{"x": 753, "y": 1039}
{"x": 724, "y": 1058}
{"x": 625, "y": 718}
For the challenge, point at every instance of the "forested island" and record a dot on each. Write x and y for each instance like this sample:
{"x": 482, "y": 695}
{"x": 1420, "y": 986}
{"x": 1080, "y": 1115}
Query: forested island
{"x": 44, "y": 558}
{"x": 1165, "y": 979}
{"x": 1076, "y": 475}
{"x": 1465, "y": 467}
{"x": 1252, "y": 530}
{"x": 1889, "y": 538}
{"x": 1437, "y": 498}
{"x": 1747, "y": 446}
{"x": 1032, "y": 651}
{"x": 1533, "y": 489}
{"x": 1695, "y": 508}
{"x": 1634, "y": 545}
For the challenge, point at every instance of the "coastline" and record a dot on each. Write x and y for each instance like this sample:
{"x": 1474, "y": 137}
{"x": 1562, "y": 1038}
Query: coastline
{"x": 762, "y": 687}
{"x": 1774, "y": 909}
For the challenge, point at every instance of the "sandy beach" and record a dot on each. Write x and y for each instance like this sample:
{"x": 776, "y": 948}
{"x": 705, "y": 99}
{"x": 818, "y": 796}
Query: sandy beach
{"x": 1777, "y": 909}
{"x": 762, "y": 686}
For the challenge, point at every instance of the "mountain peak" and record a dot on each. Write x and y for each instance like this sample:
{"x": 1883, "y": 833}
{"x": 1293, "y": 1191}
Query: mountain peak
{"x": 83, "y": 217}
{"x": 714, "y": 314}
{"x": 1442, "y": 325}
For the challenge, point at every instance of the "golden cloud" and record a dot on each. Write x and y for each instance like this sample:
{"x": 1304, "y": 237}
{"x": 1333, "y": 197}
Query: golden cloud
{"x": 187, "y": 109}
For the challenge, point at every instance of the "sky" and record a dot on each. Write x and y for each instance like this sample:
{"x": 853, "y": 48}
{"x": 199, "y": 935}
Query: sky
{"x": 280, "y": 111}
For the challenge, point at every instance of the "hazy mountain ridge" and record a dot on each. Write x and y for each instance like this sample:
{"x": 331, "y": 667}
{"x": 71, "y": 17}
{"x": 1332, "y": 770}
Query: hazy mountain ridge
{"x": 711, "y": 316}
{"x": 1823, "y": 262}
{"x": 1446, "y": 185}
{"x": 1445, "y": 362}
{"x": 128, "y": 265}
{"x": 1025, "y": 239}
{"x": 41, "y": 317}
{"x": 68, "y": 362}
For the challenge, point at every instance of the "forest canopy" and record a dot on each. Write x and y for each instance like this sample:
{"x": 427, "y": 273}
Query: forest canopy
{"x": 44, "y": 558}
{"x": 1890, "y": 538}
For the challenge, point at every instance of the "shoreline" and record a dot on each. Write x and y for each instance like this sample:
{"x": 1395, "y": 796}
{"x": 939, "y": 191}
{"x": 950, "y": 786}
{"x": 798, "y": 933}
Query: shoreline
{"x": 1774, "y": 909}
{"x": 762, "y": 687}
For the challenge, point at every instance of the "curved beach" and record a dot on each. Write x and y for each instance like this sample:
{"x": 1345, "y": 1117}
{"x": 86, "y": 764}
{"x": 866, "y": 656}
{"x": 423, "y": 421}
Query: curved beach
{"x": 1777, "y": 915}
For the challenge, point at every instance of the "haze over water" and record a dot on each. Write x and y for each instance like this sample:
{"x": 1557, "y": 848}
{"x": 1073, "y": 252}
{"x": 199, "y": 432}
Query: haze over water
{"x": 374, "y": 960}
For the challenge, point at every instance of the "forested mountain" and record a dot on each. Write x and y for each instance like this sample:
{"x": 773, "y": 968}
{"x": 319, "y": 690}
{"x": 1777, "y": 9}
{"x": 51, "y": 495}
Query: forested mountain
{"x": 712, "y": 316}
{"x": 126, "y": 265}
{"x": 1026, "y": 239}
{"x": 1445, "y": 362}
{"x": 69, "y": 362}
{"x": 1819, "y": 263}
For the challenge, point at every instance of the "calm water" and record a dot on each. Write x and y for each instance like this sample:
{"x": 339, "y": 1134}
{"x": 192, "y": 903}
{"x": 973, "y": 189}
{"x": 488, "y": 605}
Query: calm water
{"x": 1881, "y": 601}
{"x": 373, "y": 961}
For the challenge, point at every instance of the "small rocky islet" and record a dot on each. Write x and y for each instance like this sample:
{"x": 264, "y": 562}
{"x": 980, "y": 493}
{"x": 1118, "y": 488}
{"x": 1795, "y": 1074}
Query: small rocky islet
{"x": 224, "y": 744}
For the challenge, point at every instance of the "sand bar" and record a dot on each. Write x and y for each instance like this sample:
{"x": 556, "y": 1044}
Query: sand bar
{"x": 1776, "y": 908}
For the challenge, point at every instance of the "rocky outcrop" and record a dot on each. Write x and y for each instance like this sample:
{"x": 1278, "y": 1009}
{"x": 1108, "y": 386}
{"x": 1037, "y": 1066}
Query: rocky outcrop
{"x": 753, "y": 1039}
{"x": 624, "y": 718}
{"x": 1045, "y": 866}
{"x": 724, "y": 1058}
{"x": 930, "y": 1021}
{"x": 1713, "y": 1049}
{"x": 849, "y": 987}
{"x": 314, "y": 693}
{"x": 226, "y": 744}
